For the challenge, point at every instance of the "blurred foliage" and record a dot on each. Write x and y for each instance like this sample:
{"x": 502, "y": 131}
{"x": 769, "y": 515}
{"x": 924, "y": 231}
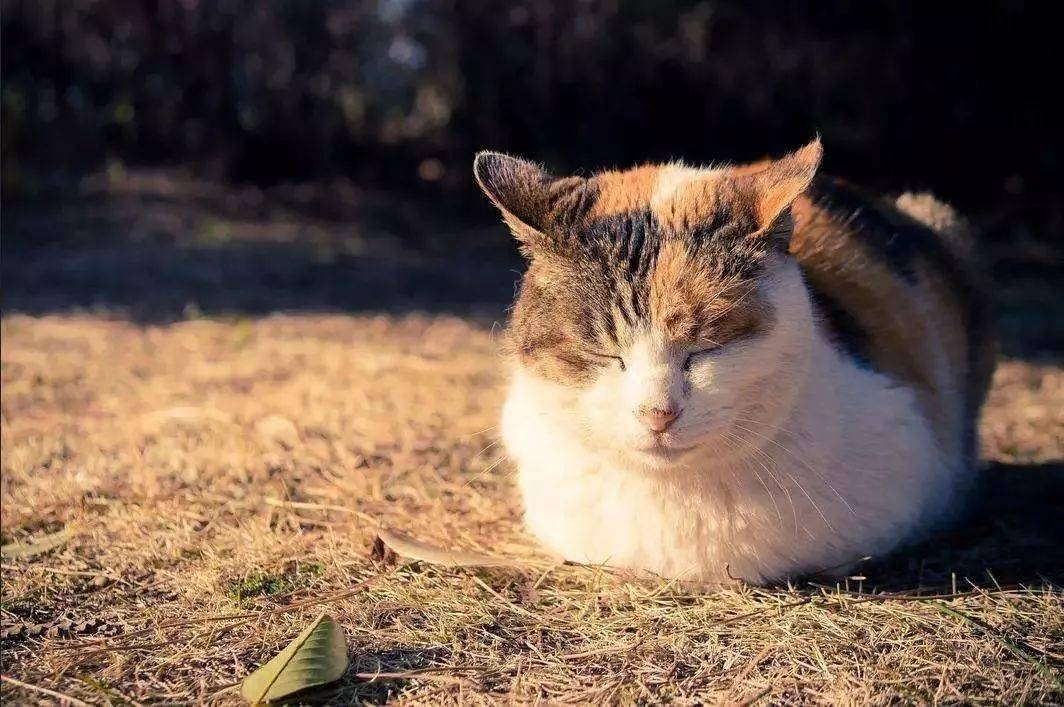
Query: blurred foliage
{"x": 401, "y": 92}
{"x": 263, "y": 91}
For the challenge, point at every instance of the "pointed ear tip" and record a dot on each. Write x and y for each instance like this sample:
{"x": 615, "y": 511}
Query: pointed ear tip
{"x": 483, "y": 159}
{"x": 488, "y": 168}
{"x": 489, "y": 164}
{"x": 813, "y": 151}
{"x": 486, "y": 155}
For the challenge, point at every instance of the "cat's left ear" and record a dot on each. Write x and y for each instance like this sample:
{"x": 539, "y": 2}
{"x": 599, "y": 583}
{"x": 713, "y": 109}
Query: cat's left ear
{"x": 533, "y": 202}
{"x": 776, "y": 187}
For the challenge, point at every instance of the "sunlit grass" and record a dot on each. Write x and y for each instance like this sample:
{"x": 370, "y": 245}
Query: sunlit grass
{"x": 223, "y": 481}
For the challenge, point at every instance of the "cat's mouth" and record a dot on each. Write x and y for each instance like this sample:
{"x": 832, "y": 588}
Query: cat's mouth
{"x": 664, "y": 450}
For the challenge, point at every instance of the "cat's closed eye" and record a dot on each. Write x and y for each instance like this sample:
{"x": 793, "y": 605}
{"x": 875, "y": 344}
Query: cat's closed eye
{"x": 611, "y": 357}
{"x": 691, "y": 357}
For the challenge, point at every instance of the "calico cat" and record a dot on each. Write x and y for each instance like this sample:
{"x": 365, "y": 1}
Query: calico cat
{"x": 739, "y": 371}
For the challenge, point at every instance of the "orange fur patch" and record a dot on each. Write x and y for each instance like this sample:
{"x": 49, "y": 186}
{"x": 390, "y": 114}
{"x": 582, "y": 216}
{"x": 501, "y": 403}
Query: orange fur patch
{"x": 623, "y": 191}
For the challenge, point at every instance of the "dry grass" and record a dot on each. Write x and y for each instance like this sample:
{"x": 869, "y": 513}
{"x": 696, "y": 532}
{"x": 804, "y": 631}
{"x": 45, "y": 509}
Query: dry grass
{"x": 234, "y": 468}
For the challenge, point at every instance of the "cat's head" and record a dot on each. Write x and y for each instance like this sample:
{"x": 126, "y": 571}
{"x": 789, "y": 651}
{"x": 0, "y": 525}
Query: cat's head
{"x": 660, "y": 303}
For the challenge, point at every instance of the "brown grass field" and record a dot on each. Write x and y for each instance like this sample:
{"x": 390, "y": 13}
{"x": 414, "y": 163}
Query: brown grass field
{"x": 223, "y": 477}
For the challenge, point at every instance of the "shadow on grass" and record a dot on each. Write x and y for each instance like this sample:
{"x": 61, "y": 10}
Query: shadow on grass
{"x": 171, "y": 250}
{"x": 1012, "y": 533}
{"x": 155, "y": 285}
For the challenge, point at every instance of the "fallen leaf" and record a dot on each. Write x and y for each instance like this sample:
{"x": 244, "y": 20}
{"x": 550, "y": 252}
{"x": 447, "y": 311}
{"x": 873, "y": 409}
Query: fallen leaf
{"x": 43, "y": 544}
{"x": 316, "y": 657}
{"x": 417, "y": 550}
{"x": 379, "y": 552}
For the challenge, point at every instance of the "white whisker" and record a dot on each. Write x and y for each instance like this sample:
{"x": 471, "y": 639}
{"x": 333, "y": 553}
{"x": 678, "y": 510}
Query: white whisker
{"x": 487, "y": 470}
{"x": 803, "y": 462}
{"x": 768, "y": 491}
{"x": 756, "y": 450}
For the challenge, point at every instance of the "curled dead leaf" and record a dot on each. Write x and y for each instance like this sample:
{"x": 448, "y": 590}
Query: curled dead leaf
{"x": 416, "y": 550}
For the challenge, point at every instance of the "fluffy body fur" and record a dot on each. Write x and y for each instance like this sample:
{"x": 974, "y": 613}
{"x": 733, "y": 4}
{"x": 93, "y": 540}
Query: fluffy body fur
{"x": 736, "y": 372}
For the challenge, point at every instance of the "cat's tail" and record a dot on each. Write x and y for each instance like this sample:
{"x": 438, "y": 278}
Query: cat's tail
{"x": 941, "y": 218}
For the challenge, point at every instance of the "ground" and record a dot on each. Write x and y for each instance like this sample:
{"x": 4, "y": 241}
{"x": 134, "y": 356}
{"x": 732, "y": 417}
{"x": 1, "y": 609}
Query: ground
{"x": 223, "y": 471}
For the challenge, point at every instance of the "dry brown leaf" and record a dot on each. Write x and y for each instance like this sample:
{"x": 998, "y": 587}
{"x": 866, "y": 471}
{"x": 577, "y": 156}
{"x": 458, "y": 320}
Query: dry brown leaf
{"x": 416, "y": 550}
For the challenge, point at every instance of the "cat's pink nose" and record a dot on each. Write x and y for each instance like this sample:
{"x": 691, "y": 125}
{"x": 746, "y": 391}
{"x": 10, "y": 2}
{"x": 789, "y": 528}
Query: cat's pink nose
{"x": 657, "y": 420}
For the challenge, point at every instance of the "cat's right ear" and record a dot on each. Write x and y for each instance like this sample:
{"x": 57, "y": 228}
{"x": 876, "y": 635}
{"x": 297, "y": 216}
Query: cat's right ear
{"x": 533, "y": 202}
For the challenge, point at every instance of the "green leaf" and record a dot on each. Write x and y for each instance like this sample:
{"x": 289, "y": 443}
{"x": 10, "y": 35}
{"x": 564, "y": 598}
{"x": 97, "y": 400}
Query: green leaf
{"x": 318, "y": 656}
{"x": 45, "y": 543}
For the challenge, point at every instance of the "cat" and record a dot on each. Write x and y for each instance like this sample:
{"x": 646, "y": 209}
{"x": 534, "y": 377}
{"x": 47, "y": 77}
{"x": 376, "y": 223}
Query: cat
{"x": 739, "y": 372}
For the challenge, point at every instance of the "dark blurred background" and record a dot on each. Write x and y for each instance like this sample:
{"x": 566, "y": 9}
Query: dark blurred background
{"x": 174, "y": 157}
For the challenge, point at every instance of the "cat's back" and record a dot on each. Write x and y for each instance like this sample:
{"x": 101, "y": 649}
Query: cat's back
{"x": 898, "y": 287}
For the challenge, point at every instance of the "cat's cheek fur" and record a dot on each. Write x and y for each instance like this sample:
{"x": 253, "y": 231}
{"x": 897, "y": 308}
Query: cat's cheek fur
{"x": 839, "y": 462}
